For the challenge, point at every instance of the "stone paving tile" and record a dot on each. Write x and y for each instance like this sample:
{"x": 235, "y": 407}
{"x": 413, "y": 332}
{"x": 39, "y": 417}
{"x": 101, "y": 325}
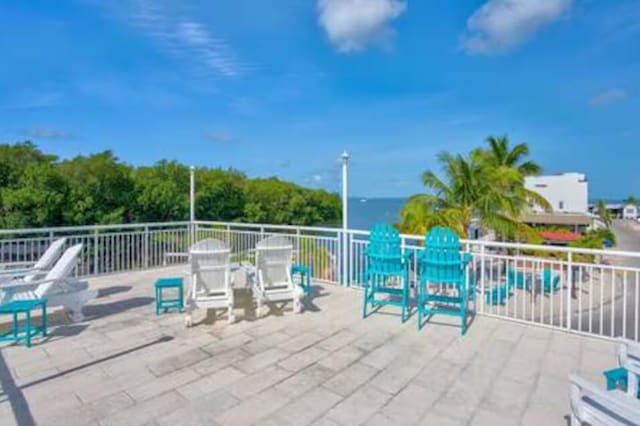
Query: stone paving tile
{"x": 266, "y": 342}
{"x": 409, "y": 405}
{"x": 304, "y": 380}
{"x": 259, "y": 361}
{"x": 396, "y": 377}
{"x": 303, "y": 359}
{"x": 146, "y": 411}
{"x": 437, "y": 418}
{"x": 220, "y": 361}
{"x": 342, "y": 358}
{"x": 257, "y": 382}
{"x": 307, "y": 408}
{"x": 208, "y": 384}
{"x": 359, "y": 407}
{"x": 508, "y": 397}
{"x": 178, "y": 362}
{"x": 338, "y": 340}
{"x": 350, "y": 378}
{"x": 200, "y": 411}
{"x": 490, "y": 418}
{"x": 162, "y": 384}
{"x": 253, "y": 409}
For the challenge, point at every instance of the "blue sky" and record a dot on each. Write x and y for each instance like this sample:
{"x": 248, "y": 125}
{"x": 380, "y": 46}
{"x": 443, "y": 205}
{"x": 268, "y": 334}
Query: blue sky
{"x": 283, "y": 90}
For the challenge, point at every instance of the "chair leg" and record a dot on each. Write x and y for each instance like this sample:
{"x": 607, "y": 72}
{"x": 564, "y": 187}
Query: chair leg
{"x": 365, "y": 301}
{"x": 44, "y": 319}
{"x": 15, "y": 326}
{"x": 28, "y": 328}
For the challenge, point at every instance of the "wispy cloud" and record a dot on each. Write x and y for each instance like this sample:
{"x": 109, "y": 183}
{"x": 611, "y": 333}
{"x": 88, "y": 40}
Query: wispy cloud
{"x": 499, "y": 26}
{"x": 184, "y": 36}
{"x": 32, "y": 98}
{"x": 222, "y": 137}
{"x": 608, "y": 97}
{"x": 45, "y": 132}
{"x": 353, "y": 25}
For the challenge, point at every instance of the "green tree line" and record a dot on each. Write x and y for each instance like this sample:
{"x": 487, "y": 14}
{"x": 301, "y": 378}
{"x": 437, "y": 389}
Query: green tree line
{"x": 41, "y": 190}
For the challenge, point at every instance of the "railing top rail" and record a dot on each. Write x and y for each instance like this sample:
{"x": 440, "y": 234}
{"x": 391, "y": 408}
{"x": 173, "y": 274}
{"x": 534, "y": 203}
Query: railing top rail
{"x": 91, "y": 227}
{"x": 268, "y": 226}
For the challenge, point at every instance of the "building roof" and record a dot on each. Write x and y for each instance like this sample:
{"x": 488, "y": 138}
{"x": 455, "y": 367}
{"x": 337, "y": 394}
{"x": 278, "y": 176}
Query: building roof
{"x": 557, "y": 219}
{"x": 561, "y": 237}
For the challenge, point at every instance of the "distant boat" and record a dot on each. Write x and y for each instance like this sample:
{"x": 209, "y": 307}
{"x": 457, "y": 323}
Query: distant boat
{"x": 363, "y": 200}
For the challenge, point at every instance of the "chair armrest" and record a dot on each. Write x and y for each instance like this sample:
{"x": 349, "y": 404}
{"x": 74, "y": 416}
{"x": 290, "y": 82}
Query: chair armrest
{"x": 18, "y": 284}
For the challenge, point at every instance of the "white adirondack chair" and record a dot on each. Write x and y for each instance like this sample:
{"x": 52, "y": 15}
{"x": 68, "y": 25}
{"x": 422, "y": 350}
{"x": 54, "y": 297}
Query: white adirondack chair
{"x": 58, "y": 286}
{"x": 629, "y": 358}
{"x": 274, "y": 284}
{"x": 39, "y": 269}
{"x": 594, "y": 406}
{"x": 210, "y": 278}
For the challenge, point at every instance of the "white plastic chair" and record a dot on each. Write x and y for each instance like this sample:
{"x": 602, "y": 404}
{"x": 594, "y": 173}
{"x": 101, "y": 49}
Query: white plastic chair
{"x": 210, "y": 278}
{"x": 274, "y": 283}
{"x": 58, "y": 286}
{"x": 598, "y": 407}
{"x": 629, "y": 358}
{"x": 11, "y": 271}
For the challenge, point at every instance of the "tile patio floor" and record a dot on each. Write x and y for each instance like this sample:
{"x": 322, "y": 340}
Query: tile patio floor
{"x": 327, "y": 366}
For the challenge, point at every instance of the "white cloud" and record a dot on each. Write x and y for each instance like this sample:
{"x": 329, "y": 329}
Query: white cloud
{"x": 501, "y": 25}
{"x": 43, "y": 132}
{"x": 183, "y": 36}
{"x": 221, "y": 137}
{"x": 608, "y": 97}
{"x": 352, "y": 25}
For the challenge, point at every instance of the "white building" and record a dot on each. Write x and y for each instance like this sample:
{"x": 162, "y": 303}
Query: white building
{"x": 630, "y": 212}
{"x": 566, "y": 192}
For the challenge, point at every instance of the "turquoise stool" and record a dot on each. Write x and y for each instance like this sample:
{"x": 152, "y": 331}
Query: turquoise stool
{"x": 17, "y": 333}
{"x": 305, "y": 276}
{"x": 165, "y": 304}
{"x": 617, "y": 379}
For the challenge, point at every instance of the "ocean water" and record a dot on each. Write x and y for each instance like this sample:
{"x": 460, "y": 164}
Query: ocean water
{"x": 363, "y": 213}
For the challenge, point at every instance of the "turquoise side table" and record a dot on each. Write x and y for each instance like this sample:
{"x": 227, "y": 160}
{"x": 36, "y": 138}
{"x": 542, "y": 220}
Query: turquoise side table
{"x": 29, "y": 330}
{"x": 164, "y": 303}
{"x": 617, "y": 379}
{"x": 304, "y": 272}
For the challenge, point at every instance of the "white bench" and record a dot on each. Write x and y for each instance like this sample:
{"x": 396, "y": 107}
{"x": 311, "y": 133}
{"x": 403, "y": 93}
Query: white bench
{"x": 598, "y": 407}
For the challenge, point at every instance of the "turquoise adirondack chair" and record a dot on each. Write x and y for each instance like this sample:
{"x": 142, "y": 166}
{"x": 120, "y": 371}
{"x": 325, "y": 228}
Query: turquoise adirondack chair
{"x": 385, "y": 261}
{"x": 550, "y": 280}
{"x": 498, "y": 295}
{"x": 442, "y": 263}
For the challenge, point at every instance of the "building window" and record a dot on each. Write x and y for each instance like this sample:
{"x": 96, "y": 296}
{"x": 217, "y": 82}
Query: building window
{"x": 561, "y": 205}
{"x": 541, "y": 185}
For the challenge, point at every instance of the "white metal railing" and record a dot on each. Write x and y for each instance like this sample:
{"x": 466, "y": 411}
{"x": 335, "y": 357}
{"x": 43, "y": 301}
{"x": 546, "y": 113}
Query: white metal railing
{"x": 598, "y": 291}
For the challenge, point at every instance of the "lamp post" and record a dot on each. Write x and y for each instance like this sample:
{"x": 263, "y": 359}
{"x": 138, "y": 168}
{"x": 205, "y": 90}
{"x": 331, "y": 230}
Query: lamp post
{"x": 345, "y": 216}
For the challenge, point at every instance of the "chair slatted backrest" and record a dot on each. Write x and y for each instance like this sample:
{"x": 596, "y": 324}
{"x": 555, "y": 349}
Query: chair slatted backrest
{"x": 210, "y": 266}
{"x": 274, "y": 256}
{"x": 47, "y": 260}
{"x": 440, "y": 261}
{"x": 61, "y": 271}
{"x": 384, "y": 252}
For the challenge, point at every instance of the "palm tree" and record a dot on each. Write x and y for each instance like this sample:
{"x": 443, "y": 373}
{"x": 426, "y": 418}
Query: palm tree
{"x": 468, "y": 190}
{"x": 603, "y": 212}
{"x": 501, "y": 155}
{"x": 632, "y": 200}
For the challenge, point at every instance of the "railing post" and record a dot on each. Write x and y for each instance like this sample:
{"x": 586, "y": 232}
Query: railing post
{"x": 569, "y": 287}
{"x": 482, "y": 274}
{"x": 146, "y": 247}
{"x": 96, "y": 268}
